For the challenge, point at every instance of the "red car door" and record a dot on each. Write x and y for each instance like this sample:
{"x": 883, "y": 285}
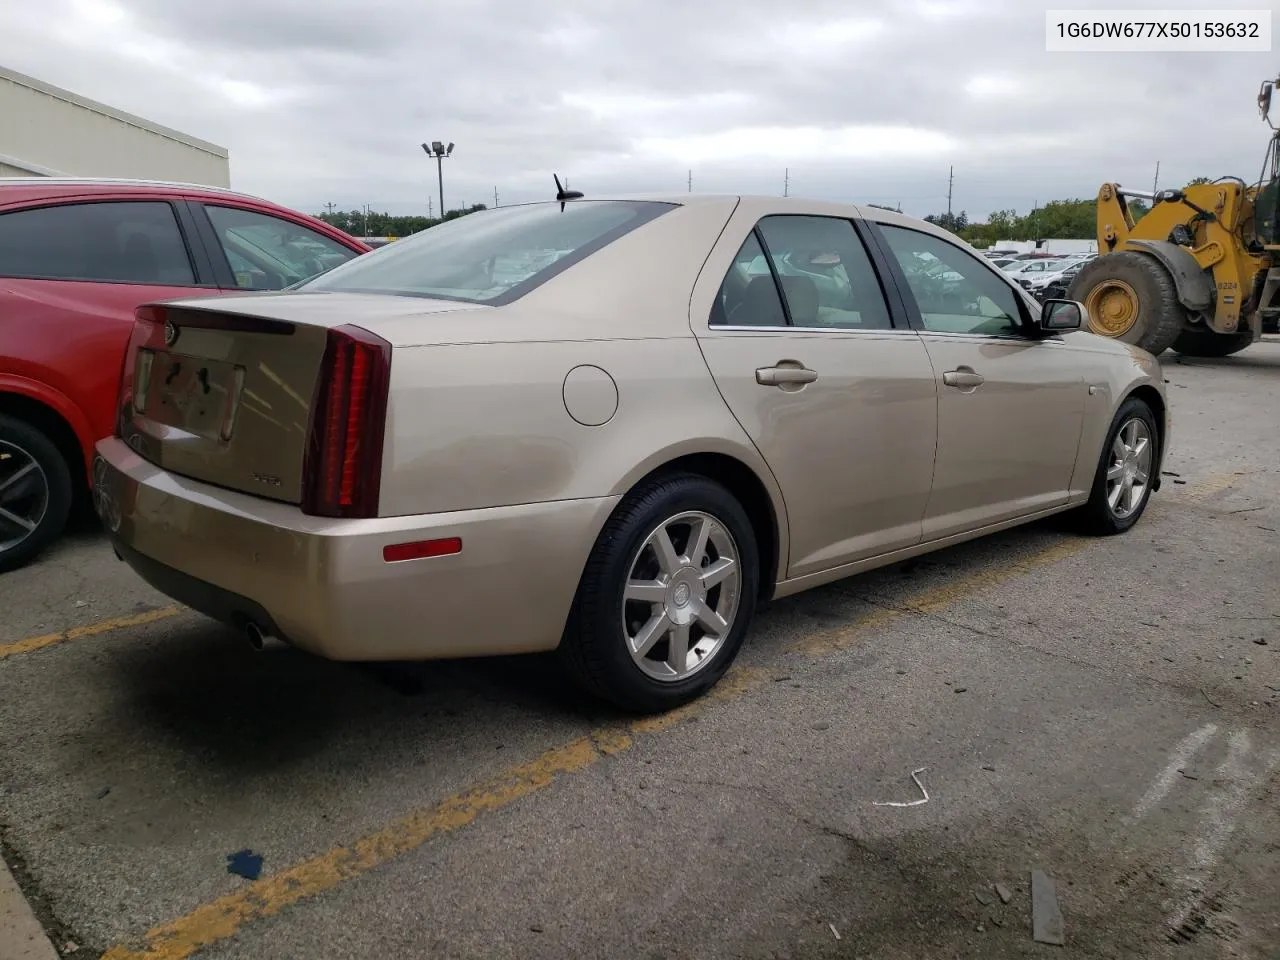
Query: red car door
{"x": 67, "y": 297}
{"x": 72, "y": 271}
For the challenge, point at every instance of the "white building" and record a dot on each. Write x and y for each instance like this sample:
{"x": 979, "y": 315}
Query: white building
{"x": 47, "y": 131}
{"x": 1063, "y": 247}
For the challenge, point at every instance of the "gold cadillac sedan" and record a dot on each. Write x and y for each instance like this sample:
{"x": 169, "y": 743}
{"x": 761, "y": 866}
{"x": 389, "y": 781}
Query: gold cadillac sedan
{"x": 609, "y": 427}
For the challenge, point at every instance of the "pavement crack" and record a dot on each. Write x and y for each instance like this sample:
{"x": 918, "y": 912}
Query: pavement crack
{"x": 912, "y": 610}
{"x": 756, "y": 791}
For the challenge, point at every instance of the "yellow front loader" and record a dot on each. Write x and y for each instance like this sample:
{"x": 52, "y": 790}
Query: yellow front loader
{"x": 1199, "y": 272}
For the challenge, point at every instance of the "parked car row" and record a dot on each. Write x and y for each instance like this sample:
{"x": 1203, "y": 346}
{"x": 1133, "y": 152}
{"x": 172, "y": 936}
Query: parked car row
{"x": 77, "y": 257}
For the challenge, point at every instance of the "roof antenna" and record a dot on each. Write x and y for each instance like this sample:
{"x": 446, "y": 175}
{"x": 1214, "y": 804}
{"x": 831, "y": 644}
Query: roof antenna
{"x": 562, "y": 194}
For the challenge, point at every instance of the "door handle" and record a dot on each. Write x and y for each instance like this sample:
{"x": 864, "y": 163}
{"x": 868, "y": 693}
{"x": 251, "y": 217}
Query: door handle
{"x": 786, "y": 373}
{"x": 964, "y": 378}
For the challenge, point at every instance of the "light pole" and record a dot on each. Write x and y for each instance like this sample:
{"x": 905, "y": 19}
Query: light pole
{"x": 438, "y": 150}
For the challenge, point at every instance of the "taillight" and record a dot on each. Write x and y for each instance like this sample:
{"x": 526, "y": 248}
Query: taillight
{"x": 146, "y": 320}
{"x": 342, "y": 467}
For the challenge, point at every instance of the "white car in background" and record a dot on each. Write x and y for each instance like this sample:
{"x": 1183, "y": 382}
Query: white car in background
{"x": 1054, "y": 270}
{"x": 1032, "y": 268}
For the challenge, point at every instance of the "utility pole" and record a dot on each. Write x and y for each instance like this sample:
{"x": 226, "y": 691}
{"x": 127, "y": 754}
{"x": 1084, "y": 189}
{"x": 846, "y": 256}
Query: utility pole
{"x": 691, "y": 181}
{"x": 951, "y": 179}
{"x": 329, "y": 207}
{"x": 1156, "y": 181}
{"x": 431, "y": 214}
{"x": 366, "y": 219}
{"x": 786, "y": 182}
{"x": 495, "y": 197}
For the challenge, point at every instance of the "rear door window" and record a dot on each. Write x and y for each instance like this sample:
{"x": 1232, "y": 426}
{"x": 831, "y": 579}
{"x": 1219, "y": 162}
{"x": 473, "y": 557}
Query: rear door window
{"x": 134, "y": 241}
{"x": 825, "y": 273}
{"x": 270, "y": 253}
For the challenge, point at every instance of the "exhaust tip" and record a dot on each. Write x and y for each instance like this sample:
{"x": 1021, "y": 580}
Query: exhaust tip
{"x": 257, "y": 637}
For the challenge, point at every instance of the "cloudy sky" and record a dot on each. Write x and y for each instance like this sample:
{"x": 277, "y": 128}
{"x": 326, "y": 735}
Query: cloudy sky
{"x": 325, "y": 101}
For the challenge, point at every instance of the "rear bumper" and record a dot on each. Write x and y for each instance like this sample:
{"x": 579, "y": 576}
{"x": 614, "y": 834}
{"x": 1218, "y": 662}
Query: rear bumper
{"x": 322, "y": 584}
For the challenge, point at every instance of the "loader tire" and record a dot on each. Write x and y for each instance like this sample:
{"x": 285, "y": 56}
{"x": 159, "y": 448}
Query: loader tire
{"x": 1130, "y": 297}
{"x": 1206, "y": 343}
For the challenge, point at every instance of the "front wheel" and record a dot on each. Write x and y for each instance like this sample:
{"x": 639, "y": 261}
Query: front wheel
{"x": 667, "y": 596}
{"x": 1130, "y": 296}
{"x": 1126, "y": 471}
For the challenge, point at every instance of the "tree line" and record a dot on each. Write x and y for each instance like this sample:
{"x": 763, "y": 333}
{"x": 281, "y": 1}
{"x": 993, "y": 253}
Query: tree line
{"x": 358, "y": 223}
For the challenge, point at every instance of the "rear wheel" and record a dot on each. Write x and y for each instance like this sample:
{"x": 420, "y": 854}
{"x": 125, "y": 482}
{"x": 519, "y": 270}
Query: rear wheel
{"x": 1206, "y": 343}
{"x": 667, "y": 596}
{"x": 1126, "y": 471}
{"x": 1130, "y": 297}
{"x": 35, "y": 492}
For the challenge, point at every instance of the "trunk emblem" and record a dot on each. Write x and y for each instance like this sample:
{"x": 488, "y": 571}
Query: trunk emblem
{"x": 170, "y": 333}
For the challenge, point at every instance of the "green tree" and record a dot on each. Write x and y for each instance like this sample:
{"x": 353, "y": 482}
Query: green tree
{"x": 1196, "y": 181}
{"x": 955, "y": 222}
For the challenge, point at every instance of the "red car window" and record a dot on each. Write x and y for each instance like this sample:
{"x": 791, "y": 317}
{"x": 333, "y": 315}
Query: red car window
{"x": 114, "y": 241}
{"x": 268, "y": 253}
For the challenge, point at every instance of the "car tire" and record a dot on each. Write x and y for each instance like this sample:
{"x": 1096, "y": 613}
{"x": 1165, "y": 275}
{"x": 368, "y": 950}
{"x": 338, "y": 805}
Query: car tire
{"x": 1141, "y": 295}
{"x": 610, "y": 624}
{"x": 1206, "y": 343}
{"x": 40, "y": 496}
{"x": 1104, "y": 514}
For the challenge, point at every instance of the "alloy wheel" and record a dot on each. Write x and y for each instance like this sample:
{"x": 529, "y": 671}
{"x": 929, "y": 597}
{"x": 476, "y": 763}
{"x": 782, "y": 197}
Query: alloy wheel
{"x": 24, "y": 495}
{"x": 1129, "y": 469}
{"x": 681, "y": 596}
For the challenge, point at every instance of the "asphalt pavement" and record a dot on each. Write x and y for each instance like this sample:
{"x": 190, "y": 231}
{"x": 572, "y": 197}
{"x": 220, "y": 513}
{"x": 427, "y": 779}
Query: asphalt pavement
{"x": 1106, "y": 711}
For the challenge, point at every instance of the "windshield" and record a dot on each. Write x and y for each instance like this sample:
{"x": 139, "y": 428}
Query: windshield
{"x": 493, "y": 256}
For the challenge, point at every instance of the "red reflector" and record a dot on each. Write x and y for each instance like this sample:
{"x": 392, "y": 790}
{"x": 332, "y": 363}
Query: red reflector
{"x": 420, "y": 549}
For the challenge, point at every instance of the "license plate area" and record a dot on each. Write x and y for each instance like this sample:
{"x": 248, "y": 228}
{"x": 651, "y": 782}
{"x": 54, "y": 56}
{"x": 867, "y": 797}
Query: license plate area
{"x": 197, "y": 395}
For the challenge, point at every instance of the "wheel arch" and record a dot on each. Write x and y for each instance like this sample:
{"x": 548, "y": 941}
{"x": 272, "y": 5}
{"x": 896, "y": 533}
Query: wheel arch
{"x": 1152, "y": 397}
{"x": 1193, "y": 283}
{"x": 55, "y": 415}
{"x": 763, "y": 507}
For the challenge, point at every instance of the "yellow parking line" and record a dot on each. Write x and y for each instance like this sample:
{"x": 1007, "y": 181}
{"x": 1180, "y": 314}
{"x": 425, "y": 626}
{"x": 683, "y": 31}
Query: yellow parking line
{"x": 223, "y": 917}
{"x": 88, "y": 630}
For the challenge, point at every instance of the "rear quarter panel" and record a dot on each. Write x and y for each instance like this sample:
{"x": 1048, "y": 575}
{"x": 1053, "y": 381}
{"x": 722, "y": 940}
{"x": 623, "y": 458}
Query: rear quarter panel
{"x": 486, "y": 425}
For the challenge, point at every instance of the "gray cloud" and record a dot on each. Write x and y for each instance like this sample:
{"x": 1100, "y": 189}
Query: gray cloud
{"x": 327, "y": 100}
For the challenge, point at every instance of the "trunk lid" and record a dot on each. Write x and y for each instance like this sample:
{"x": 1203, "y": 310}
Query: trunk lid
{"x": 222, "y": 390}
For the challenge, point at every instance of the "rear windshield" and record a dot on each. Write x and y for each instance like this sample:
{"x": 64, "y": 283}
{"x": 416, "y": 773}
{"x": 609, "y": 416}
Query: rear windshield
{"x": 493, "y": 256}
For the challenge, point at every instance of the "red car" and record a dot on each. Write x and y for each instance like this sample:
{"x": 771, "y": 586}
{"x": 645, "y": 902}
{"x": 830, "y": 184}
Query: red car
{"x": 76, "y": 258}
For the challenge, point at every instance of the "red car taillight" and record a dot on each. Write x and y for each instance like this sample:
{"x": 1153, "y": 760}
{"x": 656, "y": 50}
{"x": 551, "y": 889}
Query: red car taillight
{"x": 342, "y": 466}
{"x": 146, "y": 320}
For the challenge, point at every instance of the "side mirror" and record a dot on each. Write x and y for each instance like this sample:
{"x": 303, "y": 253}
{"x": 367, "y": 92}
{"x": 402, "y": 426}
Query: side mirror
{"x": 1061, "y": 315}
{"x": 1264, "y": 100}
